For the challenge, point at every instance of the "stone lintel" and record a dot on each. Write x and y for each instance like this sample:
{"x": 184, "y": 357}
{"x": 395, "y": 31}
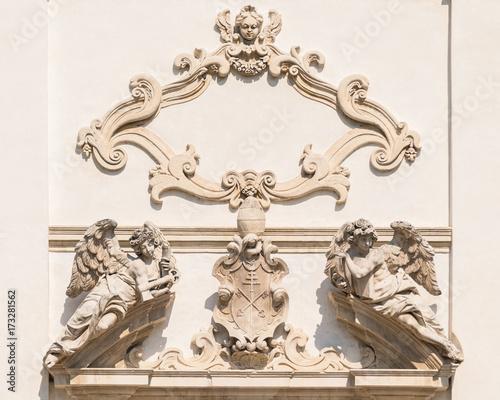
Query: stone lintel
{"x": 362, "y": 384}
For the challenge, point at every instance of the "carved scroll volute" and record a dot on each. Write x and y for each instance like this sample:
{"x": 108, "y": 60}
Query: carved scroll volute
{"x": 248, "y": 50}
{"x": 251, "y": 302}
{"x": 102, "y": 140}
{"x": 398, "y": 141}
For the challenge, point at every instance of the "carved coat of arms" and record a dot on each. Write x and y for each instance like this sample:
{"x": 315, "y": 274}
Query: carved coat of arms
{"x": 251, "y": 304}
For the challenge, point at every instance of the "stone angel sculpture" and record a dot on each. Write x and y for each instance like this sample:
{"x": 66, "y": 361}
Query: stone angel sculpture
{"x": 386, "y": 278}
{"x": 115, "y": 280}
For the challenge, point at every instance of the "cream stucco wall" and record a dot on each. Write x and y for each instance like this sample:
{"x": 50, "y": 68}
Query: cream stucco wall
{"x": 476, "y": 132}
{"x": 61, "y": 76}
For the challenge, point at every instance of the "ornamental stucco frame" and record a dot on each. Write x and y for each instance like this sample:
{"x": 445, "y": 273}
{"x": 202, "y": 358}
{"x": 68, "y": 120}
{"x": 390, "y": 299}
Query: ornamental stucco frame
{"x": 250, "y": 56}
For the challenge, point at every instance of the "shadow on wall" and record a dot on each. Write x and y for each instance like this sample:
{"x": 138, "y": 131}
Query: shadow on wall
{"x": 70, "y": 306}
{"x": 211, "y": 301}
{"x": 330, "y": 333}
{"x": 156, "y": 342}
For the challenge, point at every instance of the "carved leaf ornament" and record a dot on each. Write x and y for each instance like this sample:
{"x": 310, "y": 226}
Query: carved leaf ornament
{"x": 249, "y": 50}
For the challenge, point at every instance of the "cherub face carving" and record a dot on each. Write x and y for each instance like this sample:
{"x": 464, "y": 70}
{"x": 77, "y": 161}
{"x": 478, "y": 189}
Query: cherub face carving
{"x": 364, "y": 242}
{"x": 148, "y": 248}
{"x": 249, "y": 28}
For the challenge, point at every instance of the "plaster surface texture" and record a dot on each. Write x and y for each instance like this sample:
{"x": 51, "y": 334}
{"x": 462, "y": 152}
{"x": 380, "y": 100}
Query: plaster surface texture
{"x": 259, "y": 123}
{"x": 476, "y": 102}
{"x": 23, "y": 202}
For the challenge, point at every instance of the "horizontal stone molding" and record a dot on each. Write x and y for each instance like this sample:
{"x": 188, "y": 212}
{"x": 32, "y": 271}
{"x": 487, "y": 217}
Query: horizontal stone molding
{"x": 380, "y": 384}
{"x": 215, "y": 240}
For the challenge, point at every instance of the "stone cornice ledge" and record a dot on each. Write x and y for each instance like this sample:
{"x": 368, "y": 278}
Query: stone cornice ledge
{"x": 132, "y": 384}
{"x": 215, "y": 240}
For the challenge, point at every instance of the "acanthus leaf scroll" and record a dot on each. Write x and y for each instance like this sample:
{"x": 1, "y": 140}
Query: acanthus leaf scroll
{"x": 249, "y": 50}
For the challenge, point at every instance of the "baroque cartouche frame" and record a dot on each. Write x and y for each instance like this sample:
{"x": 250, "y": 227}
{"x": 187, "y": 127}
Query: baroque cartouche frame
{"x": 248, "y": 53}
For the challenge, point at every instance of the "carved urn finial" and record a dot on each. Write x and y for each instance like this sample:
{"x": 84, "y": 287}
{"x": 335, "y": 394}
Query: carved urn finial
{"x": 251, "y": 217}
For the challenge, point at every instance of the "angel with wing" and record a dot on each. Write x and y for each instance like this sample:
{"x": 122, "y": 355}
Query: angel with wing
{"x": 386, "y": 278}
{"x": 116, "y": 281}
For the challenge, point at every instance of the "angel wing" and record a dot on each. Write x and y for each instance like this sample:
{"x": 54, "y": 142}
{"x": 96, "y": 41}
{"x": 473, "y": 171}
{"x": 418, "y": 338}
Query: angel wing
{"x": 271, "y": 30}
{"x": 418, "y": 256}
{"x": 335, "y": 268}
{"x": 224, "y": 25}
{"x": 97, "y": 253}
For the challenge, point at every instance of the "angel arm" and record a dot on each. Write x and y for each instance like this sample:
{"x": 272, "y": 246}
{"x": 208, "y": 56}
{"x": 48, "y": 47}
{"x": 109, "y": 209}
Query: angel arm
{"x": 138, "y": 271}
{"x": 363, "y": 267}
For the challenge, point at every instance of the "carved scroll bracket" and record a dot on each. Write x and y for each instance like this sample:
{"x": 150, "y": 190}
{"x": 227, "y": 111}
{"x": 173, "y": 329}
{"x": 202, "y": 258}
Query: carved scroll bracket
{"x": 287, "y": 355}
{"x": 249, "y": 50}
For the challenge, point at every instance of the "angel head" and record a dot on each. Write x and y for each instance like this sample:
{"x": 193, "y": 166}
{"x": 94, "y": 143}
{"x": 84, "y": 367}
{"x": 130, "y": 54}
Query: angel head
{"x": 249, "y": 22}
{"x": 362, "y": 234}
{"x": 146, "y": 240}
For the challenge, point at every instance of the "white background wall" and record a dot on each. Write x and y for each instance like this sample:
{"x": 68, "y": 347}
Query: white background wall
{"x": 24, "y": 198}
{"x": 476, "y": 133}
{"x": 93, "y": 48}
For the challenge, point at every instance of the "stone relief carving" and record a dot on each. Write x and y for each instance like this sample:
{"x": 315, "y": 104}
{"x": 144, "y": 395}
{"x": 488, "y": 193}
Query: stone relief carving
{"x": 248, "y": 53}
{"x": 117, "y": 283}
{"x": 245, "y": 342}
{"x": 294, "y": 357}
{"x": 249, "y": 50}
{"x": 210, "y": 356}
{"x": 251, "y": 303}
{"x": 251, "y": 306}
{"x": 386, "y": 279}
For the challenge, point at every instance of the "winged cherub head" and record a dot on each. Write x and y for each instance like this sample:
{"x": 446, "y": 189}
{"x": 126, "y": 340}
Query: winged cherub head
{"x": 146, "y": 240}
{"x": 249, "y": 21}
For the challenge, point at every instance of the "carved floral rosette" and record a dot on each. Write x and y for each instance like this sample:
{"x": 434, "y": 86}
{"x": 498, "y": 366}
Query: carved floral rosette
{"x": 248, "y": 53}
